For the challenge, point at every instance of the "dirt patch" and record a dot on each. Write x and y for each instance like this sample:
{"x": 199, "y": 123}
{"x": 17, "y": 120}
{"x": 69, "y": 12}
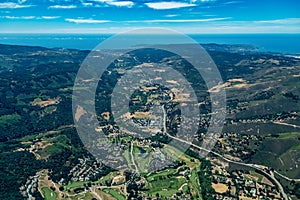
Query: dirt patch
{"x": 234, "y": 80}
{"x": 141, "y": 115}
{"x": 266, "y": 181}
{"x": 104, "y": 195}
{"x": 181, "y": 187}
{"x": 172, "y": 82}
{"x": 251, "y": 177}
{"x": 105, "y": 115}
{"x": 119, "y": 179}
{"x": 246, "y": 198}
{"x": 220, "y": 187}
{"x": 218, "y": 88}
{"x": 79, "y": 112}
{"x": 45, "y": 181}
{"x": 150, "y": 88}
{"x": 37, "y": 148}
{"x": 41, "y": 103}
{"x": 181, "y": 157}
{"x": 241, "y": 85}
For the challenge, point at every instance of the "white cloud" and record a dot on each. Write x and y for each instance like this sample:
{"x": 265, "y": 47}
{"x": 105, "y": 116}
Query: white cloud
{"x": 50, "y": 17}
{"x": 86, "y": 21}
{"x": 29, "y": 17}
{"x": 232, "y": 2}
{"x": 12, "y": 5}
{"x": 62, "y": 7}
{"x": 87, "y": 4}
{"x": 121, "y": 3}
{"x": 207, "y": 1}
{"x": 281, "y": 21}
{"x": 18, "y": 17}
{"x": 128, "y": 4}
{"x": 185, "y": 20}
{"x": 168, "y": 5}
{"x": 100, "y": 1}
{"x": 171, "y": 15}
{"x": 93, "y": 21}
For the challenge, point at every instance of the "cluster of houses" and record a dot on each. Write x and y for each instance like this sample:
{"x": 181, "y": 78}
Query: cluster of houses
{"x": 85, "y": 170}
{"x": 242, "y": 184}
{"x": 238, "y": 147}
{"x": 30, "y": 187}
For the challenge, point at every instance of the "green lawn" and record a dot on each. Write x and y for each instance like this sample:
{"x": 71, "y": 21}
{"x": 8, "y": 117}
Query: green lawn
{"x": 104, "y": 179}
{"x": 114, "y": 193}
{"x": 166, "y": 187}
{"x": 50, "y": 150}
{"x": 49, "y": 194}
{"x": 292, "y": 135}
{"x": 27, "y": 138}
{"x": 194, "y": 182}
{"x": 166, "y": 193}
{"x": 161, "y": 184}
{"x": 247, "y": 179}
{"x": 75, "y": 185}
{"x": 141, "y": 159}
{"x": 260, "y": 177}
{"x": 178, "y": 155}
{"x": 164, "y": 173}
{"x": 127, "y": 157}
{"x": 85, "y": 196}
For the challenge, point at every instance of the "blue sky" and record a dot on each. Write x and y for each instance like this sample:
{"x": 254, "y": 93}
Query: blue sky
{"x": 114, "y": 16}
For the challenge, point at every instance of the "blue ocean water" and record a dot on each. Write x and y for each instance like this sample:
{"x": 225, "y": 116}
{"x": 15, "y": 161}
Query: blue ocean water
{"x": 281, "y": 43}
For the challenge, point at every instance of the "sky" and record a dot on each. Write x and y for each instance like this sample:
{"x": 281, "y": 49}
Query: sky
{"x": 115, "y": 16}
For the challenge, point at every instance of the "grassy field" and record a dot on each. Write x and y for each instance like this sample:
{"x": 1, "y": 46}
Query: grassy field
{"x": 75, "y": 185}
{"x": 180, "y": 156}
{"x": 49, "y": 194}
{"x": 169, "y": 182}
{"x": 85, "y": 196}
{"x": 127, "y": 158}
{"x": 194, "y": 183}
{"x": 142, "y": 156}
{"x": 104, "y": 179}
{"x": 28, "y": 138}
{"x": 279, "y": 151}
{"x": 114, "y": 193}
{"x": 165, "y": 186}
{"x": 164, "y": 173}
{"x": 9, "y": 119}
{"x": 259, "y": 176}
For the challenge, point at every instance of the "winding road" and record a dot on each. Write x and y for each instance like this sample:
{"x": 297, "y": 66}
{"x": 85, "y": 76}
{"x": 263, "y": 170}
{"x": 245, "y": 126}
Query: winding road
{"x": 132, "y": 158}
{"x": 95, "y": 193}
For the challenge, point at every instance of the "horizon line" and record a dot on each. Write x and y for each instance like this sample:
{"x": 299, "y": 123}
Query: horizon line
{"x": 114, "y": 33}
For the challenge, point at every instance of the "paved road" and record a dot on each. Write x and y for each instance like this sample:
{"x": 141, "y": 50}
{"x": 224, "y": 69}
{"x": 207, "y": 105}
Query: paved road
{"x": 286, "y": 124}
{"x": 132, "y": 158}
{"x": 285, "y": 177}
{"x": 95, "y": 193}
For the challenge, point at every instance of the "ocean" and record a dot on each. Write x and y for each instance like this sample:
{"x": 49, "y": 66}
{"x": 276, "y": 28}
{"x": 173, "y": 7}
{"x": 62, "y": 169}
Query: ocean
{"x": 277, "y": 43}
